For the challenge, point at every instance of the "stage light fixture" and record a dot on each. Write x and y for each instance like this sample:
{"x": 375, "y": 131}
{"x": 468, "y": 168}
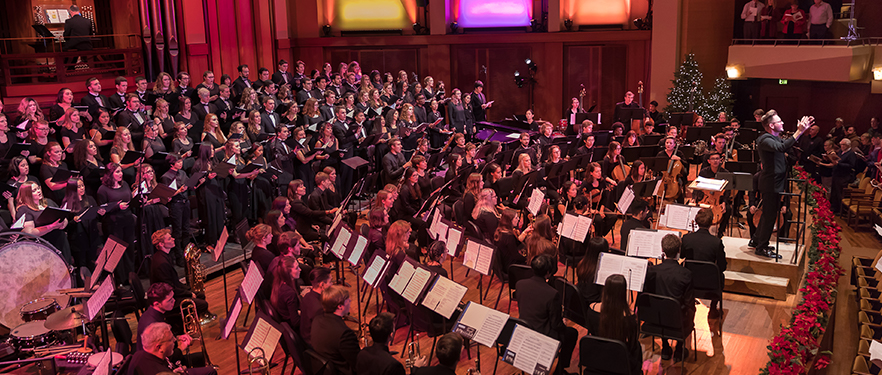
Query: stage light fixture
{"x": 326, "y": 29}
{"x": 734, "y": 71}
{"x": 531, "y": 65}
{"x": 568, "y": 23}
{"x": 453, "y": 27}
{"x": 877, "y": 73}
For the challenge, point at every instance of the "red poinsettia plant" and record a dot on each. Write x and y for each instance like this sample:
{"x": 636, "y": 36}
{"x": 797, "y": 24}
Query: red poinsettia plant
{"x": 797, "y": 344}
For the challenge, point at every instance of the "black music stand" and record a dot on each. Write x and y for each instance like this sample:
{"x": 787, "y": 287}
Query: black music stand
{"x": 744, "y": 167}
{"x": 746, "y": 135}
{"x": 602, "y": 137}
{"x": 657, "y": 164}
{"x": 682, "y": 118}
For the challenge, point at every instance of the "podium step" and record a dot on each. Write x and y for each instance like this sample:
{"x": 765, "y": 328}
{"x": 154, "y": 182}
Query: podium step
{"x": 760, "y": 285}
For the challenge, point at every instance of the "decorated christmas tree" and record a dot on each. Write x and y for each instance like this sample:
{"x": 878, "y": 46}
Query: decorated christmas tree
{"x": 686, "y": 93}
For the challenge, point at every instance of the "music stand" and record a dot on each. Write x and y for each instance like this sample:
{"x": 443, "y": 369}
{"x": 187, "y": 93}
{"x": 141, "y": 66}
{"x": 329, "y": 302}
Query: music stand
{"x": 682, "y": 118}
{"x": 744, "y": 167}
{"x": 716, "y": 126}
{"x": 746, "y": 135}
{"x": 602, "y": 137}
{"x": 656, "y": 163}
{"x": 754, "y": 125}
{"x": 582, "y": 116}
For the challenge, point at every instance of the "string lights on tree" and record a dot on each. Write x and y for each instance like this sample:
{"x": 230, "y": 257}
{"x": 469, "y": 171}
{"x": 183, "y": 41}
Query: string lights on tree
{"x": 687, "y": 95}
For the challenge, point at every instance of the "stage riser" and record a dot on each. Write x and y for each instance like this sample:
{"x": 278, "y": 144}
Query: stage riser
{"x": 757, "y": 285}
{"x": 787, "y": 271}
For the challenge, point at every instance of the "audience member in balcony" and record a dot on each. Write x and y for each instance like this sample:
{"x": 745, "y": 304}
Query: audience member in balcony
{"x": 794, "y": 21}
{"x": 118, "y": 99}
{"x": 752, "y": 16}
{"x": 771, "y": 15}
{"x": 821, "y": 18}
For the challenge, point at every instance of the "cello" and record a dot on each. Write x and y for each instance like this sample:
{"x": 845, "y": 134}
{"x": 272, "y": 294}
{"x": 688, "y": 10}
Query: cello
{"x": 669, "y": 177}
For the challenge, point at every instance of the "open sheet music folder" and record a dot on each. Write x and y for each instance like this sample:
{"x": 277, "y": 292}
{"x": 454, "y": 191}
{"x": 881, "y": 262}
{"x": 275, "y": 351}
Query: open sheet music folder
{"x": 376, "y": 268}
{"x": 444, "y": 296}
{"x": 646, "y": 243}
{"x": 633, "y": 269}
{"x": 264, "y": 333}
{"x": 411, "y": 280}
{"x": 530, "y": 351}
{"x": 480, "y": 323}
{"x": 478, "y": 256}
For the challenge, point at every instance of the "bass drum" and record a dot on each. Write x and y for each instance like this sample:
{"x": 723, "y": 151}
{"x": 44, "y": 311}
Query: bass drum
{"x": 29, "y": 269}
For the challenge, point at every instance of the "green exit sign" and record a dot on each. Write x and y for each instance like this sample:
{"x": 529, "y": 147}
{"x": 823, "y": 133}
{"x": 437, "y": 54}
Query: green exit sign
{"x": 782, "y": 81}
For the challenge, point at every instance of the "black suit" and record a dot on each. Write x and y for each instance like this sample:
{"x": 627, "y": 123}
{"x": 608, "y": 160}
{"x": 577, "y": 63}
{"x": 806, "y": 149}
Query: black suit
{"x": 224, "y": 106}
{"x": 127, "y": 119}
{"x": 94, "y": 102}
{"x": 317, "y": 200}
{"x": 310, "y": 307}
{"x": 269, "y": 121}
{"x": 239, "y": 85}
{"x": 77, "y": 31}
{"x": 162, "y": 269}
{"x": 771, "y": 182}
{"x": 704, "y": 246}
{"x": 201, "y": 110}
{"x": 303, "y": 96}
{"x": 376, "y": 360}
{"x": 150, "y": 316}
{"x": 280, "y": 78}
{"x": 143, "y": 363}
{"x": 477, "y": 101}
{"x": 843, "y": 174}
{"x": 420, "y": 113}
{"x": 671, "y": 279}
{"x": 334, "y": 340}
{"x": 306, "y": 217}
{"x": 348, "y": 138}
{"x": 117, "y": 101}
{"x": 539, "y": 304}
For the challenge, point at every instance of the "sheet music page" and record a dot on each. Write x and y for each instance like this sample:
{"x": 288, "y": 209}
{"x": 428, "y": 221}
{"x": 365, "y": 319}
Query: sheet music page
{"x": 335, "y": 224}
{"x": 19, "y": 224}
{"x": 444, "y": 296}
{"x": 433, "y": 228}
{"x": 371, "y": 273}
{"x": 530, "y": 351}
{"x": 453, "y": 237}
{"x": 625, "y": 200}
{"x": 633, "y": 269}
{"x": 642, "y": 243}
{"x": 875, "y": 350}
{"x": 657, "y": 188}
{"x": 99, "y": 298}
{"x": 232, "y": 317}
{"x": 441, "y": 231}
{"x": 251, "y": 282}
{"x": 174, "y": 185}
{"x": 471, "y": 254}
{"x": 535, "y": 201}
{"x": 221, "y": 243}
{"x": 566, "y": 226}
{"x": 339, "y": 247}
{"x": 417, "y": 284}
{"x": 264, "y": 336}
{"x": 119, "y": 248}
{"x": 360, "y": 244}
{"x": 709, "y": 183}
{"x": 680, "y": 216}
{"x": 481, "y": 323}
{"x": 485, "y": 257}
{"x": 400, "y": 280}
{"x": 878, "y": 229}
{"x": 103, "y": 366}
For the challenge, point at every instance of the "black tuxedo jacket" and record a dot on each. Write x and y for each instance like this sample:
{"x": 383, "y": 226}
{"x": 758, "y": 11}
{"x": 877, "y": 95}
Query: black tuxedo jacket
{"x": 334, "y": 340}
{"x": 91, "y": 101}
{"x": 127, "y": 119}
{"x": 317, "y": 201}
{"x": 117, "y": 101}
{"x": 376, "y": 360}
{"x": 162, "y": 269}
{"x": 200, "y": 111}
{"x": 671, "y": 279}
{"x": 346, "y": 137}
{"x": 303, "y": 96}
{"x": 540, "y": 306}
{"x": 77, "y": 30}
{"x": 225, "y": 107}
{"x": 704, "y": 246}
{"x": 240, "y": 85}
{"x": 266, "y": 121}
{"x": 310, "y": 307}
{"x": 280, "y": 78}
{"x": 420, "y": 113}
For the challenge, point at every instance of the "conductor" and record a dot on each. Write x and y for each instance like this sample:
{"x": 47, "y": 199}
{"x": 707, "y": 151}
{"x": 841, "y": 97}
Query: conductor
{"x": 77, "y": 30}
{"x": 774, "y": 174}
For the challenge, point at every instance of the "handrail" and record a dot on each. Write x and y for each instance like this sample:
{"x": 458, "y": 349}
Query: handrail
{"x": 867, "y": 41}
{"x": 60, "y": 67}
{"x": 55, "y": 38}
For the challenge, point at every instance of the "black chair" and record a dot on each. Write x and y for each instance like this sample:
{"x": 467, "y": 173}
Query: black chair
{"x": 295, "y": 349}
{"x": 458, "y": 214}
{"x": 473, "y": 230}
{"x": 322, "y": 365}
{"x": 516, "y": 272}
{"x": 574, "y": 307}
{"x": 661, "y": 316}
{"x": 139, "y": 294}
{"x": 504, "y": 338}
{"x": 598, "y": 355}
{"x": 437, "y": 182}
{"x": 708, "y": 283}
{"x": 122, "y": 333}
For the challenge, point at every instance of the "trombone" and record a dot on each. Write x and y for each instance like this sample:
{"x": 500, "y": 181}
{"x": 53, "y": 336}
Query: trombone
{"x": 260, "y": 359}
{"x": 192, "y": 326}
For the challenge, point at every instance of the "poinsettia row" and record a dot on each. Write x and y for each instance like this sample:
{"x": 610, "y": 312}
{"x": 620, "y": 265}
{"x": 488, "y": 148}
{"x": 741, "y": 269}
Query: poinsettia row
{"x": 797, "y": 344}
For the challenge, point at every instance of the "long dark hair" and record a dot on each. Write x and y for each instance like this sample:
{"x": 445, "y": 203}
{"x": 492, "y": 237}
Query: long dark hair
{"x": 506, "y": 221}
{"x": 203, "y": 161}
{"x": 616, "y": 319}
{"x": 72, "y": 196}
{"x": 282, "y": 274}
{"x": 587, "y": 267}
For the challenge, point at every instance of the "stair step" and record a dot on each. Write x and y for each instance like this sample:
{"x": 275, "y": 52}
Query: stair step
{"x": 762, "y": 285}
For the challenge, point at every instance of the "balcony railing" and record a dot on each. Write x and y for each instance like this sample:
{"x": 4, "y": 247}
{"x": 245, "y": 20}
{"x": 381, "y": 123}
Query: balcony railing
{"x": 809, "y": 42}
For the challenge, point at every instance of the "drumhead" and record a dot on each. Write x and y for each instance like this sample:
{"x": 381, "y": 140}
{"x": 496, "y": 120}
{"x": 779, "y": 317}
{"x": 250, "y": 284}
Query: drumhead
{"x": 38, "y": 305}
{"x": 30, "y": 269}
{"x": 96, "y": 358}
{"x": 30, "y": 329}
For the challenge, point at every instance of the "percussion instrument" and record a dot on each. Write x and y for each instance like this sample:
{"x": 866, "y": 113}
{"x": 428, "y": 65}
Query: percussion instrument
{"x": 31, "y": 335}
{"x": 69, "y": 318}
{"x": 39, "y": 309}
{"x": 94, "y": 359}
{"x": 29, "y": 268}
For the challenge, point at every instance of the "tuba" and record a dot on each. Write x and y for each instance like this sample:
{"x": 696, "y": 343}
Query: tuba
{"x": 195, "y": 269}
{"x": 193, "y": 326}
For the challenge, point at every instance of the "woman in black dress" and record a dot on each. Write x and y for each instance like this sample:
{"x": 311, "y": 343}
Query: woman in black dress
{"x": 586, "y": 270}
{"x": 469, "y": 115}
{"x": 119, "y": 220}
{"x": 99, "y": 133}
{"x": 303, "y": 163}
{"x": 164, "y": 88}
{"x": 166, "y": 121}
{"x": 19, "y": 174}
{"x": 71, "y": 128}
{"x": 238, "y": 189}
{"x": 51, "y": 164}
{"x": 311, "y": 113}
{"x": 456, "y": 115}
{"x": 305, "y": 216}
{"x": 30, "y": 203}
{"x": 6, "y": 141}
{"x": 597, "y": 189}
{"x": 618, "y": 322}
{"x": 435, "y": 256}
{"x": 87, "y": 160}
{"x": 152, "y": 143}
{"x": 284, "y": 297}
{"x": 83, "y": 234}
{"x": 406, "y": 207}
{"x": 186, "y": 114}
{"x": 63, "y": 101}
{"x": 329, "y": 143}
{"x": 182, "y": 144}
{"x": 122, "y": 143}
{"x": 152, "y": 212}
{"x": 211, "y": 132}
{"x": 485, "y": 215}
{"x": 507, "y": 239}
{"x": 210, "y": 194}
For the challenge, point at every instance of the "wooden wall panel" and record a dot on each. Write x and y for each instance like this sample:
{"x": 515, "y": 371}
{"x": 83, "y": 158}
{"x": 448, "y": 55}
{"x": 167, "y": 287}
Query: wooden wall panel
{"x": 583, "y": 67}
{"x": 613, "y": 74}
{"x": 499, "y": 84}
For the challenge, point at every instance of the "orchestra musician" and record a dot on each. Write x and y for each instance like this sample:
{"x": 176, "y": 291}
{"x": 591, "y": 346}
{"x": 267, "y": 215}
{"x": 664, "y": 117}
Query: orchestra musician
{"x": 158, "y": 346}
{"x": 376, "y": 359}
{"x": 612, "y": 160}
{"x": 672, "y": 156}
{"x": 330, "y": 336}
{"x": 526, "y": 148}
{"x": 714, "y": 168}
{"x": 597, "y": 189}
{"x": 162, "y": 271}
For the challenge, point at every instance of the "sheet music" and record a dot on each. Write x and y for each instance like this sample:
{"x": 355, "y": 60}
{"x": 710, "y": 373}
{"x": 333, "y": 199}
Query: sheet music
{"x": 535, "y": 201}
{"x": 221, "y": 243}
{"x": 435, "y": 227}
{"x": 335, "y": 224}
{"x": 530, "y": 351}
{"x": 657, "y": 188}
{"x": 444, "y": 296}
{"x": 875, "y": 350}
{"x": 878, "y": 229}
{"x": 251, "y": 282}
{"x": 339, "y": 247}
{"x": 371, "y": 273}
{"x": 703, "y": 183}
{"x": 680, "y": 216}
{"x": 263, "y": 336}
{"x": 103, "y": 366}
{"x": 416, "y": 285}
{"x": 634, "y": 270}
{"x": 625, "y": 200}
{"x": 453, "y": 237}
{"x": 485, "y": 258}
{"x": 232, "y": 317}
{"x": 574, "y": 227}
{"x": 481, "y": 323}
{"x": 19, "y": 224}
{"x": 471, "y": 254}
{"x": 645, "y": 243}
{"x": 360, "y": 244}
{"x": 173, "y": 185}
{"x": 879, "y": 265}
{"x": 442, "y": 230}
{"x": 118, "y": 249}
{"x": 400, "y": 280}
{"x": 99, "y": 298}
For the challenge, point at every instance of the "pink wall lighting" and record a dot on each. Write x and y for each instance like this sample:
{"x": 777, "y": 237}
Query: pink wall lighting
{"x": 495, "y": 13}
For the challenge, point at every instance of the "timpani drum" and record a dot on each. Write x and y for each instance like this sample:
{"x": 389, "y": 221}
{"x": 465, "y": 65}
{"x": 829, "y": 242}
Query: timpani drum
{"x": 29, "y": 269}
